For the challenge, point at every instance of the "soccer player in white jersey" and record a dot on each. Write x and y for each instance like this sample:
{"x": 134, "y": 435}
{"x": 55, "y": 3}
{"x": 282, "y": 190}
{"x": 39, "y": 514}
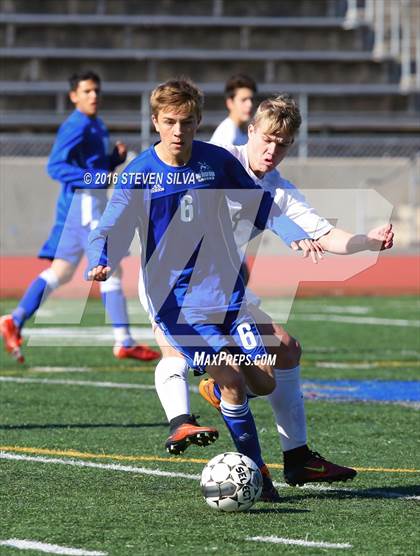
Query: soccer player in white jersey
{"x": 271, "y": 134}
{"x": 239, "y": 93}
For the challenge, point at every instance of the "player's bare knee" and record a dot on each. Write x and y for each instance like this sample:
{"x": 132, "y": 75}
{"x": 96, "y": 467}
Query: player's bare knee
{"x": 289, "y": 352}
{"x": 63, "y": 270}
{"x": 264, "y": 387}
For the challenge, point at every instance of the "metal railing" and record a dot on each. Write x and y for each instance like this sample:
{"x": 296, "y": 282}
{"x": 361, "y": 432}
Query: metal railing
{"x": 396, "y": 28}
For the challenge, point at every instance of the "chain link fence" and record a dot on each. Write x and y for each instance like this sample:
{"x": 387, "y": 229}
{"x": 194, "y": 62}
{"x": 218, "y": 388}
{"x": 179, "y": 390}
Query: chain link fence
{"x": 397, "y": 146}
{"x": 388, "y": 165}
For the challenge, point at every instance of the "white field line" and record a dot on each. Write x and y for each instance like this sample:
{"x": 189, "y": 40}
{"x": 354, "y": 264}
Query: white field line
{"x": 299, "y": 542}
{"x": 336, "y": 309}
{"x": 104, "y": 466}
{"x": 102, "y": 335}
{"x": 62, "y": 382}
{"x": 80, "y": 335}
{"x": 160, "y": 473}
{"x": 358, "y": 320}
{"x": 60, "y": 369}
{"x": 24, "y": 544}
{"x": 341, "y": 365}
{"x": 127, "y": 385}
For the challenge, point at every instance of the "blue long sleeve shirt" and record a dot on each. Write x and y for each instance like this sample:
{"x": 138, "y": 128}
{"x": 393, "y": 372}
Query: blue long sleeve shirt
{"x": 189, "y": 256}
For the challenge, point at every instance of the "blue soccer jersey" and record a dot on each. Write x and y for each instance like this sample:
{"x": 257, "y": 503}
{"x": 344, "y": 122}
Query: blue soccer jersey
{"x": 80, "y": 149}
{"x": 190, "y": 261}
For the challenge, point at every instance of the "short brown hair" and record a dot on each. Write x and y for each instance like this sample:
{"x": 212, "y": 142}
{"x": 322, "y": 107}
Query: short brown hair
{"x": 281, "y": 114}
{"x": 239, "y": 81}
{"x": 177, "y": 93}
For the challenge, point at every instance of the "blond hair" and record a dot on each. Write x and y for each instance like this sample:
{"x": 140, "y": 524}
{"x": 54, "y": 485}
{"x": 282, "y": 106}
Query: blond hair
{"x": 180, "y": 94}
{"x": 279, "y": 114}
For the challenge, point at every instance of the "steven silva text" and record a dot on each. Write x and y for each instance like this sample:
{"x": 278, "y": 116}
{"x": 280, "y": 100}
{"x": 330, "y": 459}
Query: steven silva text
{"x": 156, "y": 178}
{"x": 201, "y": 358}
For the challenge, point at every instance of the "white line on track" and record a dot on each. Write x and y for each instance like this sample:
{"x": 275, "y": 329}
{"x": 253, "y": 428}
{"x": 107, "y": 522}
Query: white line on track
{"x": 299, "y": 542}
{"x": 24, "y": 544}
{"x": 160, "y": 473}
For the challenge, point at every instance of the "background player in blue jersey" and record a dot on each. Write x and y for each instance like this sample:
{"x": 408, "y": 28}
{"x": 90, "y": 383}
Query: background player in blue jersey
{"x": 175, "y": 194}
{"x": 81, "y": 162}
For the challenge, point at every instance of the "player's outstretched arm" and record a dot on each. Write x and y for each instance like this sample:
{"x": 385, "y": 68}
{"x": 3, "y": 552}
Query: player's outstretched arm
{"x": 341, "y": 242}
{"x": 110, "y": 240}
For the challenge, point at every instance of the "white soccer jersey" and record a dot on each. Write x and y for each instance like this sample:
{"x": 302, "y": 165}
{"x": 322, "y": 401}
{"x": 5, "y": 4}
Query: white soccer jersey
{"x": 291, "y": 202}
{"x": 289, "y": 199}
{"x": 228, "y": 133}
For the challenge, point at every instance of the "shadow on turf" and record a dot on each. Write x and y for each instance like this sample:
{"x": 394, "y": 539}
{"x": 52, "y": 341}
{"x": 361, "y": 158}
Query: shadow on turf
{"x": 33, "y": 426}
{"x": 277, "y": 511}
{"x": 392, "y": 493}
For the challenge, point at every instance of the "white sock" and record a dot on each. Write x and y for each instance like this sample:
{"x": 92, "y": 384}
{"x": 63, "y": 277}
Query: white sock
{"x": 288, "y": 408}
{"x": 51, "y": 278}
{"x": 122, "y": 336}
{"x": 171, "y": 382}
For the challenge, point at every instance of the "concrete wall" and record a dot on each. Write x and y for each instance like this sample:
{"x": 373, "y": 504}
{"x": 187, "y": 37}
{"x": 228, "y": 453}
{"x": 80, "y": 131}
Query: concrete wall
{"x": 28, "y": 196}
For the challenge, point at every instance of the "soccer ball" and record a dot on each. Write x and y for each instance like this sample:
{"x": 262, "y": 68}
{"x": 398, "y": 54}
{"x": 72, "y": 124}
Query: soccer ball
{"x": 231, "y": 482}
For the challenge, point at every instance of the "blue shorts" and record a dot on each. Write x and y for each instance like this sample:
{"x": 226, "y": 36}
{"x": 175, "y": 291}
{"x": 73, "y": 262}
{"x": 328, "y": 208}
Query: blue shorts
{"x": 68, "y": 242}
{"x": 197, "y": 341}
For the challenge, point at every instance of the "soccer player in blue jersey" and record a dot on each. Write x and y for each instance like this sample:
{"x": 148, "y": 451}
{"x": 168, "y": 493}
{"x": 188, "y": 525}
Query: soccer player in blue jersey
{"x": 81, "y": 162}
{"x": 175, "y": 193}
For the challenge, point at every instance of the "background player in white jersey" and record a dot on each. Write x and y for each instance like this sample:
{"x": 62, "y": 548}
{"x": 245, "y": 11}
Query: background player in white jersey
{"x": 270, "y": 136}
{"x": 81, "y": 150}
{"x": 239, "y": 94}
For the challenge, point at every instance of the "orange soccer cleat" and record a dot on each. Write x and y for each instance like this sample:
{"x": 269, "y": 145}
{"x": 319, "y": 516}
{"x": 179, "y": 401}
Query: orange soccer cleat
{"x": 206, "y": 390}
{"x": 190, "y": 433}
{"x": 11, "y": 337}
{"x": 139, "y": 352}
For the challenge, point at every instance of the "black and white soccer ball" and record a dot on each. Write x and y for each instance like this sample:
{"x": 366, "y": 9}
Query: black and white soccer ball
{"x": 231, "y": 482}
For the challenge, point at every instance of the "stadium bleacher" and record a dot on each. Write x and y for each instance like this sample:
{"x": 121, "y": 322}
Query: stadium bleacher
{"x": 303, "y": 47}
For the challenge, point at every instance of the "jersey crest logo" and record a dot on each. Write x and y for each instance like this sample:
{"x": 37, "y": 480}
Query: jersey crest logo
{"x": 205, "y": 173}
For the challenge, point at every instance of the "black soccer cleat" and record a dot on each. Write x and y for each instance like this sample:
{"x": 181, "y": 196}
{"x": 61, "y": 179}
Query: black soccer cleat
{"x": 317, "y": 469}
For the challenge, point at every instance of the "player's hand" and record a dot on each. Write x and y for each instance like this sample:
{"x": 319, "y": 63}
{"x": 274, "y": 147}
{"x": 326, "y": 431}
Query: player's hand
{"x": 121, "y": 150}
{"x": 309, "y": 247}
{"x": 381, "y": 238}
{"x": 99, "y": 273}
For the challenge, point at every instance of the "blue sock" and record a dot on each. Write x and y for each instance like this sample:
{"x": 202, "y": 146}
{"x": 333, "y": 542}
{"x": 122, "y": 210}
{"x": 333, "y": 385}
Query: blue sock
{"x": 218, "y": 394}
{"x": 240, "y": 422}
{"x": 37, "y": 292}
{"x": 116, "y": 307}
